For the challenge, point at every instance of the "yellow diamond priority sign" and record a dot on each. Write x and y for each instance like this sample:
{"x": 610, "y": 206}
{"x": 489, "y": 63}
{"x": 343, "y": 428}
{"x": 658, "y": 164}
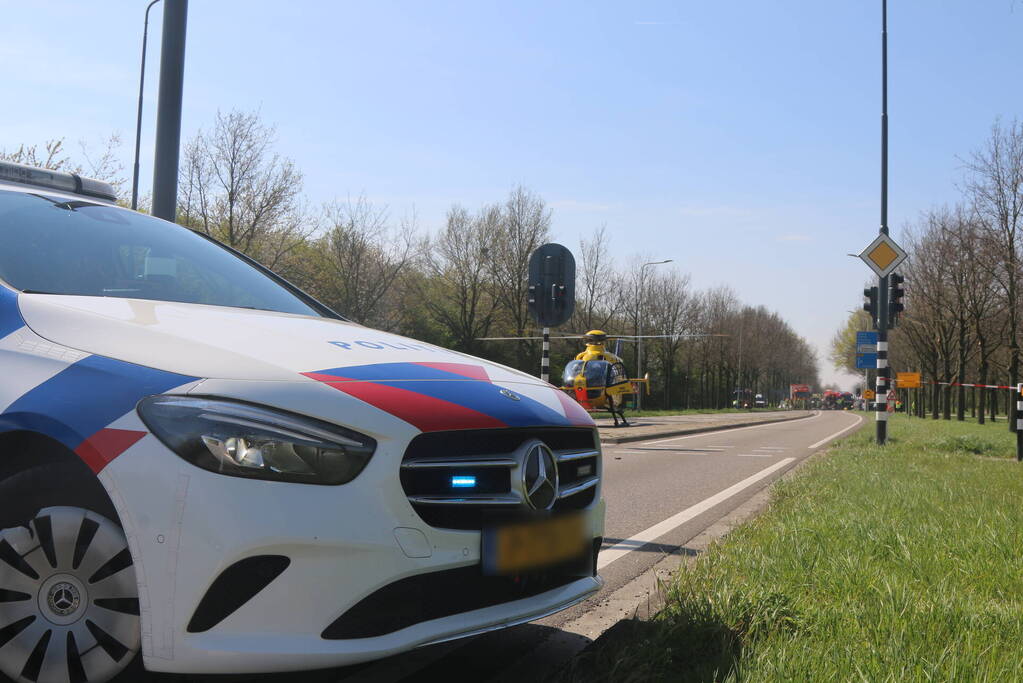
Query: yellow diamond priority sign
{"x": 883, "y": 255}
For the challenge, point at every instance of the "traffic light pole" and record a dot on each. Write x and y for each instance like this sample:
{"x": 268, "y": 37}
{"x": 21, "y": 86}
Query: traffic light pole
{"x": 883, "y": 371}
{"x": 1019, "y": 423}
{"x": 545, "y": 357}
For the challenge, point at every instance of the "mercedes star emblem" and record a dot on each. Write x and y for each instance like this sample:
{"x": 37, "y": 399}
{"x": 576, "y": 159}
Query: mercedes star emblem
{"x": 64, "y": 599}
{"x": 540, "y": 477}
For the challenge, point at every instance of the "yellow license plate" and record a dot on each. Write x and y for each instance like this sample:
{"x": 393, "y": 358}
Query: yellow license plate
{"x": 532, "y": 545}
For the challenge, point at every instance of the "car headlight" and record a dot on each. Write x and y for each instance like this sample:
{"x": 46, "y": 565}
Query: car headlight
{"x": 244, "y": 440}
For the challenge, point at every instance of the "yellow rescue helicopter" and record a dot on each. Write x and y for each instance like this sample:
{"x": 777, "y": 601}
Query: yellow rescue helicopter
{"x": 597, "y": 378}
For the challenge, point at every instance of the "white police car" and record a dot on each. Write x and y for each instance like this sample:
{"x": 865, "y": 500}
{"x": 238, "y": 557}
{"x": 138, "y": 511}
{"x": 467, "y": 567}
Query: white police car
{"x": 204, "y": 465}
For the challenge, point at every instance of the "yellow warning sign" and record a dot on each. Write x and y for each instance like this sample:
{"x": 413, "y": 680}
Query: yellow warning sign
{"x": 868, "y": 394}
{"x": 883, "y": 255}
{"x": 908, "y": 380}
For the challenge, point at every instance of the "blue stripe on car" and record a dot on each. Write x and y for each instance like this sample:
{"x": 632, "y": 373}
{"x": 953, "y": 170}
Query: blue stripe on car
{"x": 393, "y": 371}
{"x": 85, "y": 397}
{"x": 10, "y": 316}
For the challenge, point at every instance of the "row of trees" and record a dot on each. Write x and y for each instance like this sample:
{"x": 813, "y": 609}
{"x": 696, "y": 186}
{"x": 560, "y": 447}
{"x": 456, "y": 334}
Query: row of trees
{"x": 467, "y": 280}
{"x": 962, "y": 319}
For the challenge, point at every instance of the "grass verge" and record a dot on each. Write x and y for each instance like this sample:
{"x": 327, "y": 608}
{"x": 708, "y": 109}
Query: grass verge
{"x": 872, "y": 564}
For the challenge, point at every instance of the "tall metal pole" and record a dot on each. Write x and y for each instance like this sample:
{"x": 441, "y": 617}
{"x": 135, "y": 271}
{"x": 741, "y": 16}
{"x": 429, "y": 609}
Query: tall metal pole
{"x": 138, "y": 120}
{"x": 639, "y": 325}
{"x": 639, "y": 336}
{"x": 168, "y": 116}
{"x": 883, "y": 371}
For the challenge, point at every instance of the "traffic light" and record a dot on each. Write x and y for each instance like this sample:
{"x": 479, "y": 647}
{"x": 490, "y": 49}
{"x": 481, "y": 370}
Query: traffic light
{"x": 870, "y": 305}
{"x": 551, "y": 285}
{"x": 895, "y": 294}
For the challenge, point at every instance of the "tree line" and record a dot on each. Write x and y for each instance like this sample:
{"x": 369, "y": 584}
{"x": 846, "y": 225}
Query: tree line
{"x": 467, "y": 279}
{"x": 963, "y": 276}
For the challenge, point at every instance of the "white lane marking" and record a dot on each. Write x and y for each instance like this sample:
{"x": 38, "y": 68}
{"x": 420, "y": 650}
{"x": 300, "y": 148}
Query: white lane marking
{"x": 755, "y": 455}
{"x": 736, "y": 429}
{"x": 626, "y": 546}
{"x": 859, "y": 419}
{"x": 771, "y": 448}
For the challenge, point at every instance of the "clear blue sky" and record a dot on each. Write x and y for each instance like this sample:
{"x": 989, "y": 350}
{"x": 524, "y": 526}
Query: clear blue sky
{"x": 738, "y": 138}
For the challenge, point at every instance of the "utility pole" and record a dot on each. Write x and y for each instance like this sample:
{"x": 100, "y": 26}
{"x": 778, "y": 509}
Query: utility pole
{"x": 168, "y": 113}
{"x": 882, "y": 283}
{"x": 639, "y": 325}
{"x": 138, "y": 117}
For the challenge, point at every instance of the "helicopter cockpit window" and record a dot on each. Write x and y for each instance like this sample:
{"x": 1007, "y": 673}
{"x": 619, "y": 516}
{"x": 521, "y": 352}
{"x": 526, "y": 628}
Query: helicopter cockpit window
{"x": 618, "y": 375}
{"x": 597, "y": 373}
{"x": 571, "y": 371}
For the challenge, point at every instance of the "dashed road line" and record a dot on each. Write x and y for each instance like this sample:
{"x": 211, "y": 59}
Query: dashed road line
{"x": 627, "y": 545}
{"x": 823, "y": 441}
{"x": 736, "y": 429}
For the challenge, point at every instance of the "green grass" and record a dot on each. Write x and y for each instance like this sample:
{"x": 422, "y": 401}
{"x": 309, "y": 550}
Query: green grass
{"x": 872, "y": 564}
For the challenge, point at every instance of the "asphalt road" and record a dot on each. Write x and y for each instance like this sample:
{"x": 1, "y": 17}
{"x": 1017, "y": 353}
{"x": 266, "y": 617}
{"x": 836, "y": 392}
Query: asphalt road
{"x": 660, "y": 494}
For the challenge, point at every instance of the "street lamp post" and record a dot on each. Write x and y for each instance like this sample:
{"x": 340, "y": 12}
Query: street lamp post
{"x": 883, "y": 371}
{"x": 138, "y": 119}
{"x": 639, "y": 325}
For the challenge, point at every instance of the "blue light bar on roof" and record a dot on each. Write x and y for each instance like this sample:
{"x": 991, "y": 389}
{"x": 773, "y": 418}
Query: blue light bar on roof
{"x": 463, "y": 482}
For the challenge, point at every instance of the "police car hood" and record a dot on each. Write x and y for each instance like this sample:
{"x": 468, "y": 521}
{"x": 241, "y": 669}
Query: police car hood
{"x": 233, "y": 343}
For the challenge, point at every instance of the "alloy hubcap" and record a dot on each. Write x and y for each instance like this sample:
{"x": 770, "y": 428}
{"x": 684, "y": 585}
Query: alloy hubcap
{"x": 69, "y": 609}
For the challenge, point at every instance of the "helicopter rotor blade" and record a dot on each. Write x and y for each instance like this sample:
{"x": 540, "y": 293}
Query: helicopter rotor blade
{"x": 633, "y": 337}
{"x": 623, "y": 337}
{"x": 527, "y": 338}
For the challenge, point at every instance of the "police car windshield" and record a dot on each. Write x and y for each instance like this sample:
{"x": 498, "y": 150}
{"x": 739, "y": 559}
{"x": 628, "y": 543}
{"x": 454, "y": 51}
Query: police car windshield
{"x": 57, "y": 246}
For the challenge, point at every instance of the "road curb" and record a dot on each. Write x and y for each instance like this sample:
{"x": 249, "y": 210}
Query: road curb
{"x": 616, "y": 440}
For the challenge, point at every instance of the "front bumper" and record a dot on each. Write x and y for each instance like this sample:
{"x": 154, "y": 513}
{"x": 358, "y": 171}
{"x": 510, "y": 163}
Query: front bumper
{"x": 186, "y": 526}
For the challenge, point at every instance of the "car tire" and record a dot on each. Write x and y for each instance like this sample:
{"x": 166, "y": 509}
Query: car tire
{"x": 69, "y": 609}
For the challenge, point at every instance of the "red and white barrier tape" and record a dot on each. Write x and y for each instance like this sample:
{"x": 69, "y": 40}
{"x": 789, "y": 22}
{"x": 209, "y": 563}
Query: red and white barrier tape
{"x": 978, "y": 386}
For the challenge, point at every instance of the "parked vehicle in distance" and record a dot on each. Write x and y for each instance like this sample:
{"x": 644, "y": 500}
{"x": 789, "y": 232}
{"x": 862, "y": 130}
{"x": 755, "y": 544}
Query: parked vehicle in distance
{"x": 205, "y": 470}
{"x": 759, "y": 401}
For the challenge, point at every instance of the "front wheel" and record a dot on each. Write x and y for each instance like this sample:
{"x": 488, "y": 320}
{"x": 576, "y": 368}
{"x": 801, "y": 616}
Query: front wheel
{"x": 69, "y": 608}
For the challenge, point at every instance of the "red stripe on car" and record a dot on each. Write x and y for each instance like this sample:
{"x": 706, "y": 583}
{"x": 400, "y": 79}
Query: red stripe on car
{"x": 425, "y": 413}
{"x": 100, "y": 449}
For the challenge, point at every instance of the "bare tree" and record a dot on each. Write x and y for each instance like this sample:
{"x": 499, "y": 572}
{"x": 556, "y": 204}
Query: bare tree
{"x": 101, "y": 163}
{"x": 672, "y": 311}
{"x": 598, "y": 285}
{"x": 362, "y": 257}
{"x": 51, "y": 156}
{"x": 460, "y": 289}
{"x": 235, "y": 188}
{"x": 994, "y": 185}
{"x": 525, "y": 225}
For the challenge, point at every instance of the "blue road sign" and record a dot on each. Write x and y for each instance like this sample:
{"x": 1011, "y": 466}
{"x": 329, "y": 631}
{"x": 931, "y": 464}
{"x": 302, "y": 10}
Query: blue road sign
{"x": 866, "y": 338}
{"x": 866, "y": 350}
{"x": 866, "y": 361}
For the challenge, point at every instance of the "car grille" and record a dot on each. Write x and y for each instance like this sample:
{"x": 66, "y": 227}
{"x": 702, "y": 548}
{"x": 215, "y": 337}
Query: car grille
{"x": 493, "y": 457}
